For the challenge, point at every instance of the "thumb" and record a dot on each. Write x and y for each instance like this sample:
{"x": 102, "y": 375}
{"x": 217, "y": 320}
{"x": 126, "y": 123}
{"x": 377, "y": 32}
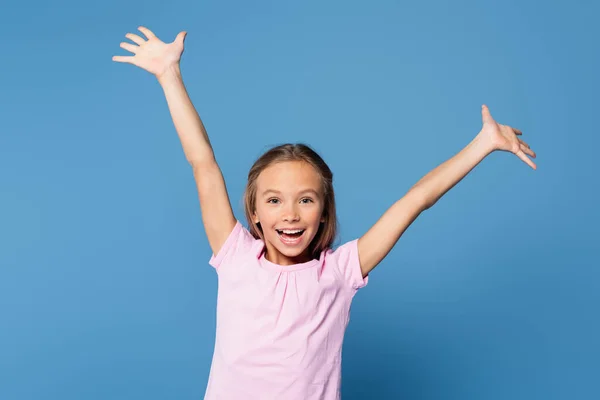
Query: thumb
{"x": 485, "y": 115}
{"x": 181, "y": 37}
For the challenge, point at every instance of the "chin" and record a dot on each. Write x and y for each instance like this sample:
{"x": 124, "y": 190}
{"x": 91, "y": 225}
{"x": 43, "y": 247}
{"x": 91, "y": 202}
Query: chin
{"x": 289, "y": 251}
{"x": 292, "y": 253}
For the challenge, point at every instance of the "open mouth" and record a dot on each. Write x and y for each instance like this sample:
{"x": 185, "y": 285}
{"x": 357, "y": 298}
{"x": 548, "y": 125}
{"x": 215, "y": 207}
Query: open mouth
{"x": 290, "y": 235}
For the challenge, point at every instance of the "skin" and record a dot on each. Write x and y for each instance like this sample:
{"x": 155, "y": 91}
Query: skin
{"x": 289, "y": 196}
{"x": 162, "y": 60}
{"x": 374, "y": 245}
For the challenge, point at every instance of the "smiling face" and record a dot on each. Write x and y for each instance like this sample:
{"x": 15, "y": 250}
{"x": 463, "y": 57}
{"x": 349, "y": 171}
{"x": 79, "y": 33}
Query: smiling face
{"x": 289, "y": 208}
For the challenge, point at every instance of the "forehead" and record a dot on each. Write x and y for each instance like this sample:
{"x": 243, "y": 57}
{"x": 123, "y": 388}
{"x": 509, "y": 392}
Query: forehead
{"x": 289, "y": 176}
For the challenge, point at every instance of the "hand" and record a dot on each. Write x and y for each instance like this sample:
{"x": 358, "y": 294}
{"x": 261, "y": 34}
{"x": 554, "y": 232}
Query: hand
{"x": 153, "y": 55}
{"x": 504, "y": 138}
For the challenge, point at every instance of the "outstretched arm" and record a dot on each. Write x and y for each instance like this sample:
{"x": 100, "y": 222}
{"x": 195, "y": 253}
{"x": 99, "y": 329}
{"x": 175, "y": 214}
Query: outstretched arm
{"x": 162, "y": 60}
{"x": 374, "y": 245}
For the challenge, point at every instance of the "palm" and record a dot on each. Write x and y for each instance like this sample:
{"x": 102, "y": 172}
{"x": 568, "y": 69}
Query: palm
{"x": 505, "y": 138}
{"x": 152, "y": 54}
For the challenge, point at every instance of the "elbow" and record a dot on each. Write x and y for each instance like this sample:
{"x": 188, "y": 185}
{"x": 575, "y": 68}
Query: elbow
{"x": 422, "y": 199}
{"x": 428, "y": 203}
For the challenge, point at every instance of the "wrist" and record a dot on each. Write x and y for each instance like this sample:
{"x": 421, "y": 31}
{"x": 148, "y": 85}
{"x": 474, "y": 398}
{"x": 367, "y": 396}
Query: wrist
{"x": 169, "y": 75}
{"x": 483, "y": 144}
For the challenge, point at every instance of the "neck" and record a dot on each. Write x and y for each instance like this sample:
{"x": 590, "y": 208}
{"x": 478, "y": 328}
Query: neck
{"x": 274, "y": 256}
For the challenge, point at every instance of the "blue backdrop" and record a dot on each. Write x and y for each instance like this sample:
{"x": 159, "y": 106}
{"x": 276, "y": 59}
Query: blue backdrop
{"x": 105, "y": 289}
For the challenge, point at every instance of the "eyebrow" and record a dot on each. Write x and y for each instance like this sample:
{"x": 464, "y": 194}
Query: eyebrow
{"x": 273, "y": 191}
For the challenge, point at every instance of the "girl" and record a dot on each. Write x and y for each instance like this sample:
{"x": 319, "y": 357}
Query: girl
{"x": 284, "y": 295}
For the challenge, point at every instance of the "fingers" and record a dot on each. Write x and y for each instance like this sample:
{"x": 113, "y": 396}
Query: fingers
{"x": 123, "y": 59}
{"x": 135, "y": 38}
{"x": 129, "y": 47}
{"x": 525, "y": 149}
{"x": 133, "y": 48}
{"x": 514, "y": 130}
{"x": 526, "y": 159}
{"x": 147, "y": 32}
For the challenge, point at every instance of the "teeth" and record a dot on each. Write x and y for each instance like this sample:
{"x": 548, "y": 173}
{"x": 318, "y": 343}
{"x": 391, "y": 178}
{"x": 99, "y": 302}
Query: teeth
{"x": 289, "y": 231}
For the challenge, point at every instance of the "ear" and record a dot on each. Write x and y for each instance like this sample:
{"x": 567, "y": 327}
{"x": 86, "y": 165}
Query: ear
{"x": 255, "y": 218}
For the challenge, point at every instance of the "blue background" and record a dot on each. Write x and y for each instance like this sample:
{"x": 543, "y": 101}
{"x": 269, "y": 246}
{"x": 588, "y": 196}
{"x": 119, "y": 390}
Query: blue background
{"x": 105, "y": 289}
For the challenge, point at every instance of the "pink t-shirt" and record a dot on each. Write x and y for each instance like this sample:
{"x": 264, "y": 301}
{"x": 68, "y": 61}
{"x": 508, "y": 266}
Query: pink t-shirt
{"x": 280, "y": 328}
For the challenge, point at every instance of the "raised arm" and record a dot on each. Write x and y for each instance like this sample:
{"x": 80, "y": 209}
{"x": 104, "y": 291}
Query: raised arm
{"x": 374, "y": 245}
{"x": 162, "y": 60}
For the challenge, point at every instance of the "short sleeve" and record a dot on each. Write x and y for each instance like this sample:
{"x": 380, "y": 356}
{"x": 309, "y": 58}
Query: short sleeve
{"x": 348, "y": 263}
{"x": 238, "y": 244}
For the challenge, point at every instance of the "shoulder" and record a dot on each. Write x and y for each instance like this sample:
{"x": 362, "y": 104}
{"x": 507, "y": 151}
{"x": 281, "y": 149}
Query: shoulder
{"x": 239, "y": 244}
{"x": 343, "y": 253}
{"x": 346, "y": 260}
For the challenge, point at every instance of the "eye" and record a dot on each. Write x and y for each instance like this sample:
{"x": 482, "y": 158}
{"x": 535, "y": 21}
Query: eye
{"x": 273, "y": 201}
{"x": 307, "y": 200}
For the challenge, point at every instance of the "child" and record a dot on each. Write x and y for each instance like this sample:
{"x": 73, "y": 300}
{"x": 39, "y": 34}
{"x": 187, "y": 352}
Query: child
{"x": 284, "y": 295}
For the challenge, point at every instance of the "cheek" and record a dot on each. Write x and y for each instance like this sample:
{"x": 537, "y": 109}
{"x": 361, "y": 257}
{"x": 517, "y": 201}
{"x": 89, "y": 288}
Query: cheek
{"x": 265, "y": 215}
{"x": 314, "y": 214}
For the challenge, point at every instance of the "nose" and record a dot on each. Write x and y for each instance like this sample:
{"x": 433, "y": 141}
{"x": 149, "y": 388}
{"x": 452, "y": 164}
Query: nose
{"x": 290, "y": 213}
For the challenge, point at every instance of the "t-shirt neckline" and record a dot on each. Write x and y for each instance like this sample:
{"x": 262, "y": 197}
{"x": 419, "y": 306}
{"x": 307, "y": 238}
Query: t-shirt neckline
{"x": 285, "y": 268}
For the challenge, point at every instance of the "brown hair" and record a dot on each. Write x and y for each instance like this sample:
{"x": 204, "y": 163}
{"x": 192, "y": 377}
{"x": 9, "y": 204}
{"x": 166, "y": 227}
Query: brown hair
{"x": 295, "y": 152}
